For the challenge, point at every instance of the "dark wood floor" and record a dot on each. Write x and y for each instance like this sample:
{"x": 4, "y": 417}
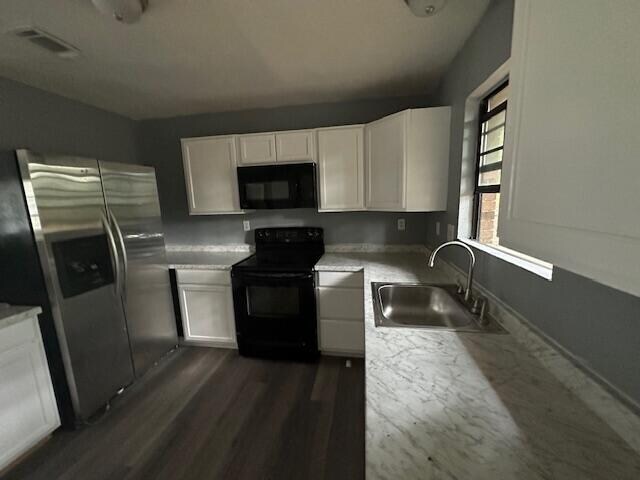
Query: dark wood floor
{"x": 211, "y": 414}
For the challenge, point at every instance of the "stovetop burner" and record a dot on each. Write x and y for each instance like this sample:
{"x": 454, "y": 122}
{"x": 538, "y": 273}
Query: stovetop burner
{"x": 285, "y": 249}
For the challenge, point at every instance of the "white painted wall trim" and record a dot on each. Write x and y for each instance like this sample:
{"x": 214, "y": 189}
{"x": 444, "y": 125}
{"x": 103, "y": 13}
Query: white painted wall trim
{"x": 470, "y": 146}
{"x": 533, "y": 265}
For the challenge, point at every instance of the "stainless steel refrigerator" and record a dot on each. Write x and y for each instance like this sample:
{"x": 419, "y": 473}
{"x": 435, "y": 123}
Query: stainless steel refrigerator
{"x": 96, "y": 230}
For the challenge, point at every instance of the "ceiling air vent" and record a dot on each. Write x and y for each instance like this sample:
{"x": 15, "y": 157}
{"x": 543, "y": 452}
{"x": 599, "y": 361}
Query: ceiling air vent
{"x": 46, "y": 41}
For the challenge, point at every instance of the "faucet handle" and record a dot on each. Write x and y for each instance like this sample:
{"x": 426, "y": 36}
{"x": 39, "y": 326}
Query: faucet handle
{"x": 478, "y": 305}
{"x": 459, "y": 288}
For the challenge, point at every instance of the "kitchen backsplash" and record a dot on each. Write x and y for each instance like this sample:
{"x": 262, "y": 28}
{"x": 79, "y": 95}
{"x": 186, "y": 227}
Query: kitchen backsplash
{"x": 339, "y": 228}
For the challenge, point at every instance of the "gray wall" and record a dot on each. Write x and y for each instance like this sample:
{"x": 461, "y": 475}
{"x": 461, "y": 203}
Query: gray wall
{"x": 599, "y": 325}
{"x": 41, "y": 121}
{"x": 159, "y": 146}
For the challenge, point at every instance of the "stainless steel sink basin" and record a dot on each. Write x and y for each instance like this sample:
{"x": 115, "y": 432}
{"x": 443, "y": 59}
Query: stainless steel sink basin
{"x": 424, "y": 306}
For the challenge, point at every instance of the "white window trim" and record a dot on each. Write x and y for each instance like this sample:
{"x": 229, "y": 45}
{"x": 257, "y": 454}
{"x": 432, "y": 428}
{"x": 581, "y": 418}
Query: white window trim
{"x": 533, "y": 265}
{"x": 468, "y": 179}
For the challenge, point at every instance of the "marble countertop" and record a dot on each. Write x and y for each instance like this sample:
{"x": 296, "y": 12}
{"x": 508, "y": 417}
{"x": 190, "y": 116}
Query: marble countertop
{"x": 205, "y": 260}
{"x": 12, "y": 314}
{"x": 451, "y": 405}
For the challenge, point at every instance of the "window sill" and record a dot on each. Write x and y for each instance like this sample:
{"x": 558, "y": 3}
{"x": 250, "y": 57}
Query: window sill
{"x": 533, "y": 265}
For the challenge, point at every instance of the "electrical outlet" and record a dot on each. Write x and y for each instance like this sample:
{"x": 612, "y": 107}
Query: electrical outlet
{"x": 402, "y": 225}
{"x": 451, "y": 232}
{"x": 246, "y": 225}
{"x": 438, "y": 228}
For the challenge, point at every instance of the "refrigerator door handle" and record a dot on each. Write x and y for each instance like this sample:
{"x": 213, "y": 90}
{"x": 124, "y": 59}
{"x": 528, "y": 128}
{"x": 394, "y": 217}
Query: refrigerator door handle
{"x": 115, "y": 262}
{"x": 123, "y": 250}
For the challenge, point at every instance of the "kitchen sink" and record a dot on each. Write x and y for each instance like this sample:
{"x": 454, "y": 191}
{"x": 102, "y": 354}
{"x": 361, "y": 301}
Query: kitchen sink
{"x": 434, "y": 306}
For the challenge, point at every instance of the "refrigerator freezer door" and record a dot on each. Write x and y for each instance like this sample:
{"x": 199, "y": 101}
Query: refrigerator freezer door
{"x": 76, "y": 248}
{"x": 132, "y": 202}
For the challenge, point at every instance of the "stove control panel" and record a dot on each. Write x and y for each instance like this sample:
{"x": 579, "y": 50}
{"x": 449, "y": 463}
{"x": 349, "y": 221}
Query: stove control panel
{"x": 285, "y": 235}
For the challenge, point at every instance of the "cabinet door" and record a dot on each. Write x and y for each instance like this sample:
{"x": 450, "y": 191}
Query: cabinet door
{"x": 386, "y": 158}
{"x": 338, "y": 336}
{"x": 341, "y": 303}
{"x": 571, "y": 174}
{"x": 207, "y": 313}
{"x": 257, "y": 148}
{"x": 28, "y": 411}
{"x": 341, "y": 168}
{"x": 297, "y": 146}
{"x": 210, "y": 175}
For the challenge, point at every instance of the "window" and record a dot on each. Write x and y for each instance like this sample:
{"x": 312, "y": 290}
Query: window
{"x": 481, "y": 172}
{"x": 492, "y": 119}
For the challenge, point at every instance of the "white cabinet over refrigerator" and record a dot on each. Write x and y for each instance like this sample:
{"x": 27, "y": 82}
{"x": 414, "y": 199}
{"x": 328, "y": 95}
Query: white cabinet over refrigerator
{"x": 210, "y": 175}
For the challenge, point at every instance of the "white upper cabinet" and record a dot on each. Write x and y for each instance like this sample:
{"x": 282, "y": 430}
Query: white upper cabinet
{"x": 341, "y": 168}
{"x": 407, "y": 160}
{"x": 287, "y": 146}
{"x": 210, "y": 174}
{"x": 257, "y": 148}
{"x": 295, "y": 146}
{"x": 386, "y": 158}
{"x": 397, "y": 163}
{"x": 571, "y": 175}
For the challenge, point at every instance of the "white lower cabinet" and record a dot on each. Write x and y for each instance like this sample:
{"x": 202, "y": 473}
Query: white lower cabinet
{"x": 28, "y": 411}
{"x": 206, "y": 304}
{"x": 341, "y": 312}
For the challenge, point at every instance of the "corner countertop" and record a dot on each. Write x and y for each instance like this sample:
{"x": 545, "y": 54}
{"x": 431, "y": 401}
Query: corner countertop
{"x": 451, "y": 405}
{"x": 12, "y": 314}
{"x": 205, "y": 259}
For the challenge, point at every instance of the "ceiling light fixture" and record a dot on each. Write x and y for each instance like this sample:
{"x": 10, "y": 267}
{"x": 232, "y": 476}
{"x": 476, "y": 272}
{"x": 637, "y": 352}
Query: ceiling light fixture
{"x": 425, "y": 8}
{"x": 125, "y": 11}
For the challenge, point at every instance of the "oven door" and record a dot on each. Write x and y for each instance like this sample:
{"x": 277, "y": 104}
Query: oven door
{"x": 277, "y": 186}
{"x": 275, "y": 313}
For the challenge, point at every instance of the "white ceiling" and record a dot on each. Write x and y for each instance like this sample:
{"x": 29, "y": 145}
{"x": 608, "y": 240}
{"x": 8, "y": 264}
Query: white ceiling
{"x": 194, "y": 56}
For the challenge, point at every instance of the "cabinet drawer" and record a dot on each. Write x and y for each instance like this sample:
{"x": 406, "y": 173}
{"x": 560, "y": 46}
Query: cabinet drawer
{"x": 339, "y": 336}
{"x": 344, "y": 303}
{"x": 341, "y": 279}
{"x": 204, "y": 277}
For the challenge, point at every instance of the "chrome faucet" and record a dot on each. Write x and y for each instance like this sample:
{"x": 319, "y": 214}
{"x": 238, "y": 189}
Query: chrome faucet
{"x": 472, "y": 263}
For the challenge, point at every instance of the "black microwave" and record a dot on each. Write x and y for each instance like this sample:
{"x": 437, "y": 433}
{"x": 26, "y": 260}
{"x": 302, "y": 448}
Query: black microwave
{"x": 290, "y": 185}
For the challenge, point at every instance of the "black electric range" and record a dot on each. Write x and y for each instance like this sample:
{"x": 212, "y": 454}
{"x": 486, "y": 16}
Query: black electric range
{"x": 274, "y": 294}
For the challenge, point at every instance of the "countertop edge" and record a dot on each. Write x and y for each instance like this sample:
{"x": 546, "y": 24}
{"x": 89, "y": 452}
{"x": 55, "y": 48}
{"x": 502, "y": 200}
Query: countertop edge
{"x": 198, "y": 266}
{"x": 16, "y": 314}
{"x": 611, "y": 405}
